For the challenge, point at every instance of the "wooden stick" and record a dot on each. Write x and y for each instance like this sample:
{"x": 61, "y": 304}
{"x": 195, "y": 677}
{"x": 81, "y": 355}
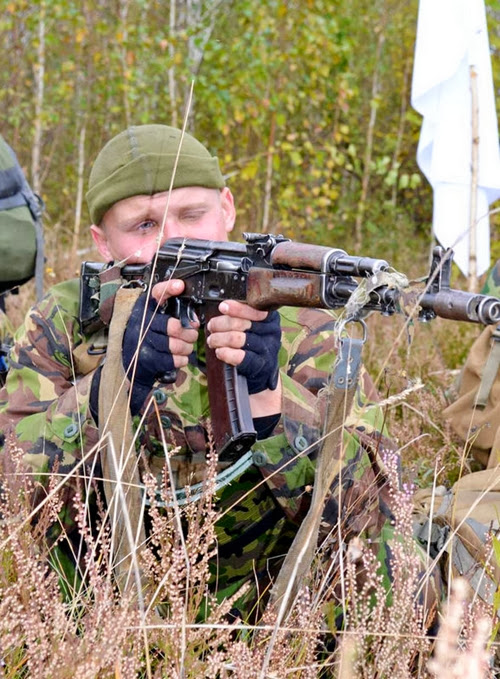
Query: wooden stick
{"x": 473, "y": 281}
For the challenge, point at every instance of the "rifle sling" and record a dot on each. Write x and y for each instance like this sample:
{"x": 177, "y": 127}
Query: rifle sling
{"x": 340, "y": 393}
{"x": 118, "y": 457}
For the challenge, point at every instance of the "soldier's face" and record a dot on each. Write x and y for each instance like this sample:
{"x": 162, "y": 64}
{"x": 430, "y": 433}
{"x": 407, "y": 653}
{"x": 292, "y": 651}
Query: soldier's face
{"x": 132, "y": 230}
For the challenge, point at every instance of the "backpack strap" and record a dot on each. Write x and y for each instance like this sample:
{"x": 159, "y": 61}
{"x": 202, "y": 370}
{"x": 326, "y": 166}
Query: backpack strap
{"x": 36, "y": 206}
{"x": 473, "y": 558}
{"x": 490, "y": 370}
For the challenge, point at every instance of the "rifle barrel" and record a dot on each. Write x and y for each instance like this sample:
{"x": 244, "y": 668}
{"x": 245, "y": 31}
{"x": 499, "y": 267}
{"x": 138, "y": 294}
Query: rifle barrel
{"x": 462, "y": 306}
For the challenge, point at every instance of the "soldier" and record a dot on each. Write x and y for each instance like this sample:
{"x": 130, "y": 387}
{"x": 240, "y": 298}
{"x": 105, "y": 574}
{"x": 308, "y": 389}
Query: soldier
{"x": 50, "y": 404}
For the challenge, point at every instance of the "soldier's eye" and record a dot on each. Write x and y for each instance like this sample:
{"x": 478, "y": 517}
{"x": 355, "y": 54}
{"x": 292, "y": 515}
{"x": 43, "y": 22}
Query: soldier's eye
{"x": 147, "y": 225}
{"x": 192, "y": 215}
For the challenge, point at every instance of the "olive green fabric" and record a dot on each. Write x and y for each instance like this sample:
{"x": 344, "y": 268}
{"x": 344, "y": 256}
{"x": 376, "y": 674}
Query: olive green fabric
{"x": 141, "y": 161}
{"x": 18, "y": 238}
{"x": 465, "y": 519}
{"x": 17, "y": 245}
{"x": 475, "y": 425}
{"x": 463, "y": 523}
{"x": 492, "y": 283}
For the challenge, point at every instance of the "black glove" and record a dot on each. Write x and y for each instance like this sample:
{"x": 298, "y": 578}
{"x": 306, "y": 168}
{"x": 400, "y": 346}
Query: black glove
{"x": 154, "y": 359}
{"x": 260, "y": 365}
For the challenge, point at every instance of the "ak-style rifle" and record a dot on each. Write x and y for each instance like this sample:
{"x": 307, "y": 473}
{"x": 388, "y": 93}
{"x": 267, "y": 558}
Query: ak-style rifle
{"x": 270, "y": 271}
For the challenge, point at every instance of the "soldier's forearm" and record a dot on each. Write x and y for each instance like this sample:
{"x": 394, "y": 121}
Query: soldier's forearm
{"x": 266, "y": 402}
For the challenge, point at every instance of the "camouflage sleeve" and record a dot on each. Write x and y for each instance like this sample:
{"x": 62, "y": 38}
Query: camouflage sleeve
{"x": 45, "y": 402}
{"x": 307, "y": 359}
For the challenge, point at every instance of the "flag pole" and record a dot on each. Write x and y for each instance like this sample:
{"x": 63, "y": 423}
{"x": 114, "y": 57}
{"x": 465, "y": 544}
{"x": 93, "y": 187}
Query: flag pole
{"x": 473, "y": 280}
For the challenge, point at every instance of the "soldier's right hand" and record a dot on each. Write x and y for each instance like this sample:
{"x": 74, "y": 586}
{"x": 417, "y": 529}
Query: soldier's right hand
{"x": 155, "y": 345}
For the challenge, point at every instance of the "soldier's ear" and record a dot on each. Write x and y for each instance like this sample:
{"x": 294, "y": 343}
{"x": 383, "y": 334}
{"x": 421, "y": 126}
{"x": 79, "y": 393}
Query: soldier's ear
{"x": 227, "y": 202}
{"x": 101, "y": 241}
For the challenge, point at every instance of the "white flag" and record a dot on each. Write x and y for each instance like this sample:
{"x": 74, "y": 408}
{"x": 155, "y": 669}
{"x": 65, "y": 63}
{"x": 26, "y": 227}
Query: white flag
{"x": 452, "y": 36}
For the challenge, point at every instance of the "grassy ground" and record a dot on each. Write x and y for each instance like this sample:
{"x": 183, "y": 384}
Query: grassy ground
{"x": 96, "y": 631}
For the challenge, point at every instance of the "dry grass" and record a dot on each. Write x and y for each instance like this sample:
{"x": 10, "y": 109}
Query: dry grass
{"x": 94, "y": 631}
{"x": 430, "y": 356}
{"x": 98, "y": 632}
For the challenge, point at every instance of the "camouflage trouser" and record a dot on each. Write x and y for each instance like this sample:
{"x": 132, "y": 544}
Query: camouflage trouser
{"x": 255, "y": 536}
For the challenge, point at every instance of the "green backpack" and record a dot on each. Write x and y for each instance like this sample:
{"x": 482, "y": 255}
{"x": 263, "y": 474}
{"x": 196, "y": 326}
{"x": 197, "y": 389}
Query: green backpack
{"x": 21, "y": 234}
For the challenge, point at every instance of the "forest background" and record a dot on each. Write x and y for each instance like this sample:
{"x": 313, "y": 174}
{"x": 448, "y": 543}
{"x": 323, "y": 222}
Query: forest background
{"x": 306, "y": 104}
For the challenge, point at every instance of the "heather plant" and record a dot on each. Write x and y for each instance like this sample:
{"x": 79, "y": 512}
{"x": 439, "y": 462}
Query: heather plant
{"x": 182, "y": 631}
{"x": 461, "y": 645}
{"x": 43, "y": 633}
{"x": 55, "y": 624}
{"x": 390, "y": 638}
{"x": 85, "y": 627}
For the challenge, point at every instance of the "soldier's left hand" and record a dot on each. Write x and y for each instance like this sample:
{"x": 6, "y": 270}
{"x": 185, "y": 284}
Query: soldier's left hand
{"x": 248, "y": 339}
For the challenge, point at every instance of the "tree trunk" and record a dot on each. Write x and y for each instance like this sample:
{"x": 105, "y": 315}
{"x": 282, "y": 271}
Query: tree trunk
{"x": 200, "y": 21}
{"x": 79, "y": 193}
{"x": 172, "y": 89}
{"x": 401, "y": 128}
{"x": 39, "y": 74}
{"x": 123, "y": 54}
{"x": 269, "y": 174}
{"x": 365, "y": 182}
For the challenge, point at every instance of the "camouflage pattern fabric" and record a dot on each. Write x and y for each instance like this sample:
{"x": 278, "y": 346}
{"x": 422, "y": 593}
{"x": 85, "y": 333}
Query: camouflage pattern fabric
{"x": 45, "y": 404}
{"x": 492, "y": 284}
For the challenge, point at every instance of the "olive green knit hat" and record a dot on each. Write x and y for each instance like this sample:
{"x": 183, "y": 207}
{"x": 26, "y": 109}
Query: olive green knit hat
{"x": 140, "y": 161}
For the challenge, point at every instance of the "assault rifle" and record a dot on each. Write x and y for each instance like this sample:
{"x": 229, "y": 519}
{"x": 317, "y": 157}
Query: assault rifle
{"x": 267, "y": 272}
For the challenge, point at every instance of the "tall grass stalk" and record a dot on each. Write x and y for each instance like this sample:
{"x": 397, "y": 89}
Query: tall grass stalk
{"x": 57, "y": 625}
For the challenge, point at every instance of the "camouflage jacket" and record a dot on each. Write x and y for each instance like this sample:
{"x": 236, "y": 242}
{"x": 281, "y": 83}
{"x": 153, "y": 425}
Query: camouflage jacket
{"x": 45, "y": 407}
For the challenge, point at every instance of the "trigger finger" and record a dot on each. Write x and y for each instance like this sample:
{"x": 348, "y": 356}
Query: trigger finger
{"x": 163, "y": 290}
